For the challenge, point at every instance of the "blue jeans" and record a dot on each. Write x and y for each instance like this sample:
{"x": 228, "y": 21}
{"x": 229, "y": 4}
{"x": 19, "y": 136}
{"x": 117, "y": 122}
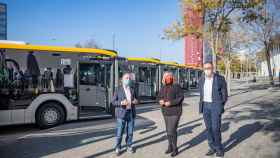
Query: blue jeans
{"x": 212, "y": 120}
{"x": 128, "y": 122}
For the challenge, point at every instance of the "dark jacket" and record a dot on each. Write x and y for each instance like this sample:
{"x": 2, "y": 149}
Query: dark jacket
{"x": 219, "y": 93}
{"x": 175, "y": 95}
{"x": 119, "y": 96}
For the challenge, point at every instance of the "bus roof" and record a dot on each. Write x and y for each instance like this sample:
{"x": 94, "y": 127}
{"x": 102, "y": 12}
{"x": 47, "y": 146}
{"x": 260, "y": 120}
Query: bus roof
{"x": 194, "y": 66}
{"x": 183, "y": 66}
{"x": 45, "y": 48}
{"x": 146, "y": 60}
{"x": 170, "y": 63}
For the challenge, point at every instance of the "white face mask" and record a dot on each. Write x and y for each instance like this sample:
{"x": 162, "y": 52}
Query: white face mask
{"x": 208, "y": 73}
{"x": 208, "y": 70}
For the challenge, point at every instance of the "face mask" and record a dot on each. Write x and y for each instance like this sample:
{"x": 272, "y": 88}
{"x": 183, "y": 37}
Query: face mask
{"x": 208, "y": 73}
{"x": 168, "y": 80}
{"x": 126, "y": 82}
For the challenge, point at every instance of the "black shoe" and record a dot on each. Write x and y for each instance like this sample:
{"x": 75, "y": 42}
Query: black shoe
{"x": 219, "y": 154}
{"x": 174, "y": 153}
{"x": 169, "y": 150}
{"x": 210, "y": 152}
{"x": 174, "y": 146}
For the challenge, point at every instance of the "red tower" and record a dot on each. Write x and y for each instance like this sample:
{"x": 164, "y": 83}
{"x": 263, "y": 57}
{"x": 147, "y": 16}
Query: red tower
{"x": 193, "y": 43}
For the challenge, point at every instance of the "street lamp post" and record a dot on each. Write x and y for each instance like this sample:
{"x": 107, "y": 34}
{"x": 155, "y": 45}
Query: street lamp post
{"x": 113, "y": 41}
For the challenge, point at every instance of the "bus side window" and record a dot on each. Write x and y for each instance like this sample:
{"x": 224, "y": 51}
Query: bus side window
{"x": 143, "y": 75}
{"x": 87, "y": 74}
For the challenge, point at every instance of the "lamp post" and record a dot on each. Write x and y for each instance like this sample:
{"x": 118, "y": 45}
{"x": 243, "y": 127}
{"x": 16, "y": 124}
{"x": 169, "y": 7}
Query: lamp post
{"x": 113, "y": 41}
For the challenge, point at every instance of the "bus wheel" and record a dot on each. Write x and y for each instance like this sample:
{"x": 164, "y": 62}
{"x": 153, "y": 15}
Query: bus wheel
{"x": 49, "y": 115}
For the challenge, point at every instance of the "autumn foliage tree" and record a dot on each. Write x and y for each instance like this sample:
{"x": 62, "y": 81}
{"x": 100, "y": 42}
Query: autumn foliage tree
{"x": 216, "y": 30}
{"x": 217, "y": 22}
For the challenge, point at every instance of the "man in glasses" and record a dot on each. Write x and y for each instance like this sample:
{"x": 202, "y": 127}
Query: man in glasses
{"x": 213, "y": 96}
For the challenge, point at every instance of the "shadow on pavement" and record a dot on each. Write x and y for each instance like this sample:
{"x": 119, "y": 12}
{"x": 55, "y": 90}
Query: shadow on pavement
{"x": 261, "y": 110}
{"x": 201, "y": 137}
{"x": 266, "y": 117}
{"x": 266, "y": 110}
{"x": 241, "y": 134}
{"x": 58, "y": 139}
{"x": 184, "y": 129}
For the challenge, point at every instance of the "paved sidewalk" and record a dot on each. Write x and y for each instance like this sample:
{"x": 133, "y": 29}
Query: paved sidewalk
{"x": 251, "y": 129}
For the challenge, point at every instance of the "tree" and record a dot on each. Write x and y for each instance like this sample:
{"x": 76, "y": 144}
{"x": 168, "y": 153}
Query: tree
{"x": 90, "y": 43}
{"x": 263, "y": 26}
{"x": 216, "y": 29}
{"x": 217, "y": 21}
{"x": 233, "y": 41}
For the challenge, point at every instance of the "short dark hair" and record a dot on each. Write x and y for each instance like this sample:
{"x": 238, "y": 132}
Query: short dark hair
{"x": 125, "y": 73}
{"x": 208, "y": 62}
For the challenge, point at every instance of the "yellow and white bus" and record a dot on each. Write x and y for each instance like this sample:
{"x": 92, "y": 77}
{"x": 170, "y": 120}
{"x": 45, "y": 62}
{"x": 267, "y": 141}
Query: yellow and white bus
{"x": 195, "y": 73}
{"x": 146, "y": 72}
{"x": 184, "y": 76}
{"x": 48, "y": 85}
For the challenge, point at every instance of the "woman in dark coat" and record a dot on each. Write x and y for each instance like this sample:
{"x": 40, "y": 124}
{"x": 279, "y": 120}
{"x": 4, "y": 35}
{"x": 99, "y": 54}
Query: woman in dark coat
{"x": 170, "y": 98}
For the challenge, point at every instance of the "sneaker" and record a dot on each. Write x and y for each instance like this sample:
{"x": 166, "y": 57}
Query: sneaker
{"x": 131, "y": 150}
{"x": 118, "y": 152}
{"x": 210, "y": 152}
{"x": 219, "y": 154}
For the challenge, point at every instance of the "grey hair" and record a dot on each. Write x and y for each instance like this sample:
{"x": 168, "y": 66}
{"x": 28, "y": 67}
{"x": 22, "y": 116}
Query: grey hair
{"x": 208, "y": 62}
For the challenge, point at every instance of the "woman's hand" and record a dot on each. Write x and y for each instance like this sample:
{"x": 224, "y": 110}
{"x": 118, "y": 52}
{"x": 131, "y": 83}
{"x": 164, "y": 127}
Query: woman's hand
{"x": 161, "y": 102}
{"x": 168, "y": 103}
{"x": 135, "y": 101}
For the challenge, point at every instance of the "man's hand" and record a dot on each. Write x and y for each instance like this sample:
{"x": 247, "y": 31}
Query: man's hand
{"x": 124, "y": 102}
{"x": 168, "y": 103}
{"x": 161, "y": 102}
{"x": 135, "y": 101}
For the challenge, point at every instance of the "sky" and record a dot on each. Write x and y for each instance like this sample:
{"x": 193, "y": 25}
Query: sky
{"x": 136, "y": 24}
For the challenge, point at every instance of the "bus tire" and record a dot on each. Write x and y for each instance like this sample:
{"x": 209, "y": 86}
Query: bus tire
{"x": 50, "y": 114}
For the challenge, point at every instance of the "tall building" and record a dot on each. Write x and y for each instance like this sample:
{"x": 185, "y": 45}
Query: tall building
{"x": 3, "y": 21}
{"x": 193, "y": 44}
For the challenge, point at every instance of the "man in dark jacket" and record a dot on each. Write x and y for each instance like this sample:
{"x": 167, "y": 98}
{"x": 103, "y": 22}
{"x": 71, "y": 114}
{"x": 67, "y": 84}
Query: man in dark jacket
{"x": 213, "y": 97}
{"x": 124, "y": 101}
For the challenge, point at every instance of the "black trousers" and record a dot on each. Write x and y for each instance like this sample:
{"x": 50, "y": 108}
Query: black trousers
{"x": 171, "y": 124}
